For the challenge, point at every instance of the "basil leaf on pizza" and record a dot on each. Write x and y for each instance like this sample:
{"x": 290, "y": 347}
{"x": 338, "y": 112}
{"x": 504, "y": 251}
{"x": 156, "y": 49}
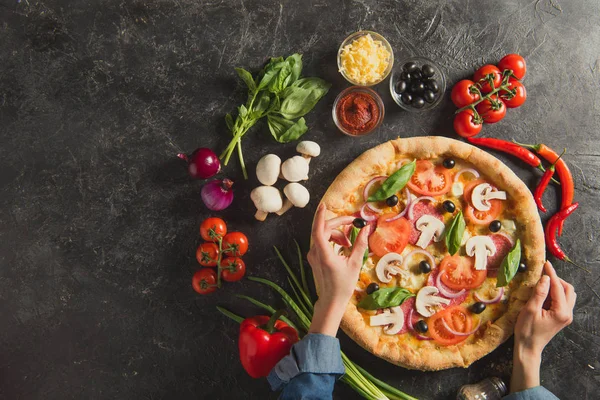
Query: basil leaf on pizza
{"x": 394, "y": 183}
{"x": 455, "y": 233}
{"x": 385, "y": 297}
{"x": 353, "y": 235}
{"x": 510, "y": 265}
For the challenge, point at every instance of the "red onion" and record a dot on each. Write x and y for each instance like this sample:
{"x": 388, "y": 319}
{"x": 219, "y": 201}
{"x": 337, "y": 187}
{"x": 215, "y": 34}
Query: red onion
{"x": 366, "y": 192}
{"x": 217, "y": 195}
{"x": 491, "y": 301}
{"x": 412, "y": 205}
{"x": 457, "y": 333}
{"x": 401, "y": 214}
{"x": 412, "y": 328}
{"x": 202, "y": 163}
{"x": 445, "y": 291}
{"x": 419, "y": 251}
{"x": 462, "y": 171}
{"x": 365, "y": 216}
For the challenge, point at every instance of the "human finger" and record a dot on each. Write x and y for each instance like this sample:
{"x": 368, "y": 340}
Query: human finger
{"x": 337, "y": 221}
{"x": 557, "y": 292}
{"x": 570, "y": 294}
{"x": 319, "y": 224}
{"x": 360, "y": 246}
{"x": 540, "y": 293}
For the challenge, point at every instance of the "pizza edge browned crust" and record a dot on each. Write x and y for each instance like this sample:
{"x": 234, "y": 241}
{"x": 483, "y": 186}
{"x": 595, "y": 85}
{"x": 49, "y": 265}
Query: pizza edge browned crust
{"x": 533, "y": 247}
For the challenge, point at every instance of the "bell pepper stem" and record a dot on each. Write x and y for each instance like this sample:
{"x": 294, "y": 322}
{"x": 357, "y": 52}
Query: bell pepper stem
{"x": 270, "y": 326}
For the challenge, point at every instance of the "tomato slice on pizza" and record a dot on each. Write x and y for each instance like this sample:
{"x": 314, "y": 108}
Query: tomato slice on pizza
{"x": 389, "y": 236}
{"x": 429, "y": 179}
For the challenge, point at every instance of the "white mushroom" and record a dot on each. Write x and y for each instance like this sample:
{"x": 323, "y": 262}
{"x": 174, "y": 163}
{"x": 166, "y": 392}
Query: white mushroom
{"x": 296, "y": 195}
{"x": 266, "y": 199}
{"x": 308, "y": 149}
{"x": 295, "y": 169}
{"x": 431, "y": 228}
{"x": 267, "y": 169}
{"x": 484, "y": 192}
{"x": 388, "y": 265}
{"x": 392, "y": 319}
{"x": 481, "y": 247}
{"x": 428, "y": 301}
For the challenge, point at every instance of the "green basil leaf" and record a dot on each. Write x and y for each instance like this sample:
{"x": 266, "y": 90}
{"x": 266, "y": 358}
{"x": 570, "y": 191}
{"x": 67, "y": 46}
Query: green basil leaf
{"x": 247, "y": 78}
{"x": 278, "y": 83}
{"x": 454, "y": 233}
{"x": 261, "y": 106}
{"x": 386, "y": 297}
{"x": 299, "y": 100}
{"x": 243, "y": 111}
{"x": 229, "y": 122}
{"x": 314, "y": 84}
{"x": 295, "y": 60}
{"x": 270, "y": 72}
{"x": 394, "y": 183}
{"x": 284, "y": 130}
{"x": 354, "y": 234}
{"x": 510, "y": 265}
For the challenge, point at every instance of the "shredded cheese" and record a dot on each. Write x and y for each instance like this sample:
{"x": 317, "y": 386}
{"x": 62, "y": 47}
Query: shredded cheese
{"x": 365, "y": 60}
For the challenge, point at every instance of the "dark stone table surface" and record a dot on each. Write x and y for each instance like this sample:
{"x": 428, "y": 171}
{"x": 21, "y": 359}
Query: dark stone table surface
{"x": 99, "y": 222}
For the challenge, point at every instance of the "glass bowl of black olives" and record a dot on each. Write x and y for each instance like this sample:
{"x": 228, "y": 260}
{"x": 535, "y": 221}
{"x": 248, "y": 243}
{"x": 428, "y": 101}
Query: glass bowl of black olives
{"x": 417, "y": 84}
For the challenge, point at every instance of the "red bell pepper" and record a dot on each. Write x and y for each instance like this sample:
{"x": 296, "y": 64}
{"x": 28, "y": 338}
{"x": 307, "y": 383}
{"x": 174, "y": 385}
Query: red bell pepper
{"x": 263, "y": 342}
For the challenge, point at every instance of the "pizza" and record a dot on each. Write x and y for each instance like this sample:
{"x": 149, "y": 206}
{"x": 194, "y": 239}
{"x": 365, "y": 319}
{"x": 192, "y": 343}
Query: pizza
{"x": 455, "y": 248}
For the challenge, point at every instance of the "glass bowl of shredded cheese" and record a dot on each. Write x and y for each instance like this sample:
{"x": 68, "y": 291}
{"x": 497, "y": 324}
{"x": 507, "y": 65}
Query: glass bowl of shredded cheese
{"x": 365, "y": 58}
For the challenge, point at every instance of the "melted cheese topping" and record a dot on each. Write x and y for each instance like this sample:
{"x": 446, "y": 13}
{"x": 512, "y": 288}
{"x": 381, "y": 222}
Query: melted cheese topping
{"x": 365, "y": 60}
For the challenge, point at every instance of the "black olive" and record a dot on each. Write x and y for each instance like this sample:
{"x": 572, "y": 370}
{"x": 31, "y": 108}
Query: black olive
{"x": 522, "y": 267}
{"x": 427, "y": 70}
{"x": 392, "y": 200}
{"x": 417, "y": 87}
{"x": 429, "y": 96}
{"x": 410, "y": 66}
{"x": 478, "y": 307}
{"x": 449, "y": 163}
{"x": 416, "y": 74}
{"x": 359, "y": 223}
{"x": 449, "y": 206}
{"x": 373, "y": 287}
{"x": 418, "y": 102}
{"x": 425, "y": 267}
{"x": 432, "y": 85}
{"x": 407, "y": 98}
{"x": 495, "y": 225}
{"x": 405, "y": 76}
{"x": 401, "y": 87}
{"x": 421, "y": 326}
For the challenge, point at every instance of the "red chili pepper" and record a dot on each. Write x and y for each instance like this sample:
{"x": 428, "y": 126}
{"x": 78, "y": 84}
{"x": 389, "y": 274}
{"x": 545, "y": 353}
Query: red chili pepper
{"x": 567, "y": 187}
{"x": 541, "y": 188}
{"x": 510, "y": 148}
{"x": 263, "y": 342}
{"x": 550, "y": 232}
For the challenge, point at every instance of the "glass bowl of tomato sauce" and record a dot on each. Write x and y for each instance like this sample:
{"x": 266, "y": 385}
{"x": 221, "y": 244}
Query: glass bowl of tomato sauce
{"x": 358, "y": 111}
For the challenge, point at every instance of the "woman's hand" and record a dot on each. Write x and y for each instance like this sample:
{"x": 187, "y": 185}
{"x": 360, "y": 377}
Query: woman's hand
{"x": 547, "y": 312}
{"x": 335, "y": 275}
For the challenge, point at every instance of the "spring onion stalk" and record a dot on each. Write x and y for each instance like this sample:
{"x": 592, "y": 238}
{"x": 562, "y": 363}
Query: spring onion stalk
{"x": 268, "y": 308}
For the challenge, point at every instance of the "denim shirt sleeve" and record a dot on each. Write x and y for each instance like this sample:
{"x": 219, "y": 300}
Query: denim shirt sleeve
{"x": 310, "y": 370}
{"x": 535, "y": 393}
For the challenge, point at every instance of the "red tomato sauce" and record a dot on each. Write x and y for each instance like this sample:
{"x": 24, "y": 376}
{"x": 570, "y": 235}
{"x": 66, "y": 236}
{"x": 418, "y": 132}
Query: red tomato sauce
{"x": 357, "y": 112}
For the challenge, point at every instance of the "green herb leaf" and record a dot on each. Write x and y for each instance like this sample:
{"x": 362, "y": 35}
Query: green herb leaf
{"x": 243, "y": 111}
{"x": 394, "y": 183}
{"x": 270, "y": 72}
{"x": 262, "y": 105}
{"x": 295, "y": 60}
{"x": 510, "y": 265}
{"x": 284, "y": 130}
{"x": 314, "y": 84}
{"x": 300, "y": 99}
{"x": 454, "y": 233}
{"x": 386, "y": 297}
{"x": 229, "y": 122}
{"x": 247, "y": 78}
{"x": 354, "y": 234}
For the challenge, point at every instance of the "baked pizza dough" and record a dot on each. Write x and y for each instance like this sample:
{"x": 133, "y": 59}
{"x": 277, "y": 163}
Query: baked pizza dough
{"x": 345, "y": 197}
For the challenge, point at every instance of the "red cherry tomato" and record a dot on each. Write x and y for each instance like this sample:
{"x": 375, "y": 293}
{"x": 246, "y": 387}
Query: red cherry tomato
{"x": 491, "y": 110}
{"x": 520, "y": 94}
{"x": 464, "y": 93}
{"x": 204, "y": 281}
{"x": 429, "y": 179}
{"x": 515, "y": 63}
{"x": 481, "y": 74}
{"x": 459, "y": 273}
{"x": 207, "y": 254}
{"x": 235, "y": 244}
{"x": 232, "y": 269}
{"x": 212, "y": 229}
{"x": 457, "y": 318}
{"x": 389, "y": 236}
{"x": 466, "y": 124}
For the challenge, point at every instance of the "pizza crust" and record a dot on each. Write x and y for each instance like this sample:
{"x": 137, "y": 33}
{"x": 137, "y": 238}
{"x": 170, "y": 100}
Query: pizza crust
{"x": 426, "y": 355}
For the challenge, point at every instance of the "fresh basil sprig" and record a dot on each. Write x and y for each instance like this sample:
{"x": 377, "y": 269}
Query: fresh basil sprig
{"x": 386, "y": 297}
{"x": 394, "y": 183}
{"x": 455, "y": 233}
{"x": 510, "y": 265}
{"x": 353, "y": 235}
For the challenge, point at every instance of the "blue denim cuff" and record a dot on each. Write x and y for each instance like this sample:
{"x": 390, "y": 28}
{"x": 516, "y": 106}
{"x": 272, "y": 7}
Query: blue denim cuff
{"x": 315, "y": 353}
{"x": 535, "y": 393}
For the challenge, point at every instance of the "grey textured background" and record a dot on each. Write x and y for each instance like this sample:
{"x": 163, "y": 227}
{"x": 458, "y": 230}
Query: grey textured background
{"x": 99, "y": 222}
